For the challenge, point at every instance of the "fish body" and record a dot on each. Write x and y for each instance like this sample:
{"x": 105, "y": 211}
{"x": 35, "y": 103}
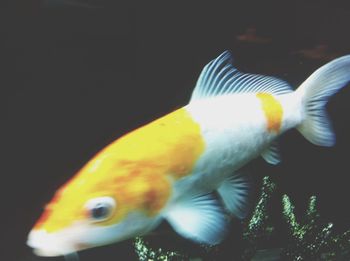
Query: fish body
{"x": 169, "y": 168}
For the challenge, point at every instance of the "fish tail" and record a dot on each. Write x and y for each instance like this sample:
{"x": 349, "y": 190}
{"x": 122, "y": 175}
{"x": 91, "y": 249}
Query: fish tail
{"x": 314, "y": 93}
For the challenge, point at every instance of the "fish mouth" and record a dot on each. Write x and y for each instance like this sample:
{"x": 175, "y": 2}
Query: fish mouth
{"x": 49, "y": 244}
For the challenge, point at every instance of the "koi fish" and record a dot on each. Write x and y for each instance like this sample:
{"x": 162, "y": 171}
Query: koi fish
{"x": 169, "y": 168}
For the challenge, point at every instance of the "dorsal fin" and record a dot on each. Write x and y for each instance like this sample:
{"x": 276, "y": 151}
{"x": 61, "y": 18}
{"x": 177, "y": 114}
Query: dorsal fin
{"x": 219, "y": 77}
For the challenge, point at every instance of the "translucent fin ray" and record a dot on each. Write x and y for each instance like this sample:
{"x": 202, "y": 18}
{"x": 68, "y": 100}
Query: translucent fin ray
{"x": 199, "y": 218}
{"x": 314, "y": 94}
{"x": 271, "y": 154}
{"x": 234, "y": 192}
{"x": 219, "y": 77}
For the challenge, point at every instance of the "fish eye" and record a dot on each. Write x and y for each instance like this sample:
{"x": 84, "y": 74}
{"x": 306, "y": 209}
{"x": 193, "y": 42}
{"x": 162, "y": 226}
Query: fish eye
{"x": 100, "y": 209}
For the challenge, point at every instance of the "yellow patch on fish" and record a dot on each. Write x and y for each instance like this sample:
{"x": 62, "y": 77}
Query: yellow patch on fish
{"x": 137, "y": 170}
{"x": 173, "y": 142}
{"x": 273, "y": 111}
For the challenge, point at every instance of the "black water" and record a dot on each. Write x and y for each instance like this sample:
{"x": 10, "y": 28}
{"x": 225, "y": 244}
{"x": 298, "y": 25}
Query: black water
{"x": 74, "y": 78}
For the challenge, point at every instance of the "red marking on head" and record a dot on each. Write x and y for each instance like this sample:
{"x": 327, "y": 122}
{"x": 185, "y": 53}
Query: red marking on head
{"x": 48, "y": 209}
{"x": 152, "y": 200}
{"x": 44, "y": 216}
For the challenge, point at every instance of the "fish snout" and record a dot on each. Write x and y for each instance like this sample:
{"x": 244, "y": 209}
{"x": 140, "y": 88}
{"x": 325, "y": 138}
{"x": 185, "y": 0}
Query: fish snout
{"x": 49, "y": 244}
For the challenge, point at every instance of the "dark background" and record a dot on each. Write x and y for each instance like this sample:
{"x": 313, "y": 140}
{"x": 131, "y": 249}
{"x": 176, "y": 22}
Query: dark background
{"x": 77, "y": 75}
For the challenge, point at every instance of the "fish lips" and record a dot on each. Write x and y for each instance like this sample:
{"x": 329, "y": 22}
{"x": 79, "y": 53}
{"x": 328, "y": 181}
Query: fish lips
{"x": 55, "y": 244}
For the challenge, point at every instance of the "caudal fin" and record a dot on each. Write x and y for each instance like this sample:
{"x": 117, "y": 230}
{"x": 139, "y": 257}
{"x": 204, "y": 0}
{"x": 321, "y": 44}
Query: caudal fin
{"x": 315, "y": 92}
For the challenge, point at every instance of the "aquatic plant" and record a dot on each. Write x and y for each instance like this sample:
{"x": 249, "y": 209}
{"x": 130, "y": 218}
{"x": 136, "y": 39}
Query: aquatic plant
{"x": 313, "y": 239}
{"x": 147, "y": 253}
{"x": 258, "y": 228}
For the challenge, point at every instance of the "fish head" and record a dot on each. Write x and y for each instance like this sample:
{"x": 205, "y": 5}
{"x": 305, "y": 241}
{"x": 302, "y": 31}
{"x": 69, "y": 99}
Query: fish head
{"x": 93, "y": 210}
{"x": 123, "y": 191}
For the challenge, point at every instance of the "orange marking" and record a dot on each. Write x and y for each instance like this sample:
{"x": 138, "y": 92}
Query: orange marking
{"x": 273, "y": 111}
{"x": 137, "y": 170}
{"x": 43, "y": 218}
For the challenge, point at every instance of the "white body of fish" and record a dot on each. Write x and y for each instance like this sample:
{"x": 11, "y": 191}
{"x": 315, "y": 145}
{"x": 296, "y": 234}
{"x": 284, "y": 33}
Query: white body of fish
{"x": 235, "y": 128}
